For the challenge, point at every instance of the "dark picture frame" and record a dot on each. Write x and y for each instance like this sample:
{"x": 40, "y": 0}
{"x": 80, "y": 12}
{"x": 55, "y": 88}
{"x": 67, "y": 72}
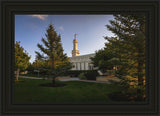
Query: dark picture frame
{"x": 10, "y": 8}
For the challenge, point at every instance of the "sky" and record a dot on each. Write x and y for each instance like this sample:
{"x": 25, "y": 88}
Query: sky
{"x": 90, "y": 30}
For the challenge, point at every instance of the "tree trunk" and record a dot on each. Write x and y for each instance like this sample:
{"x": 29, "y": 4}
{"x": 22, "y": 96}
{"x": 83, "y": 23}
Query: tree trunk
{"x": 53, "y": 67}
{"x": 140, "y": 78}
{"x": 53, "y": 81}
{"x": 17, "y": 74}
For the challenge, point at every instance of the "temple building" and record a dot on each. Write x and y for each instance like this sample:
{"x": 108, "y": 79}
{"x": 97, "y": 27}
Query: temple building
{"x": 80, "y": 62}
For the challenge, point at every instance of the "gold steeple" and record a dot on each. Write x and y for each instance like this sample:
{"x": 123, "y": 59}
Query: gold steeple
{"x": 75, "y": 51}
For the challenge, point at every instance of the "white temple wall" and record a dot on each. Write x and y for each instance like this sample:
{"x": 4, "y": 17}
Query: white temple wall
{"x": 81, "y": 62}
{"x": 78, "y": 66}
{"x": 74, "y": 68}
{"x": 86, "y": 65}
{"x": 82, "y": 66}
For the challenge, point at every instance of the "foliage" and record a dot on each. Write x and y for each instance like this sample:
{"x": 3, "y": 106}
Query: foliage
{"x": 59, "y": 71}
{"x": 102, "y": 58}
{"x": 126, "y": 49}
{"x": 129, "y": 92}
{"x": 133, "y": 91}
{"x": 130, "y": 31}
{"x": 110, "y": 72}
{"x": 136, "y": 91}
{"x": 41, "y": 66}
{"x": 91, "y": 75}
{"x": 38, "y": 64}
{"x": 53, "y": 59}
{"x": 21, "y": 58}
{"x": 82, "y": 76}
{"x": 125, "y": 83}
{"x": 30, "y": 69}
{"x": 75, "y": 73}
{"x": 130, "y": 44}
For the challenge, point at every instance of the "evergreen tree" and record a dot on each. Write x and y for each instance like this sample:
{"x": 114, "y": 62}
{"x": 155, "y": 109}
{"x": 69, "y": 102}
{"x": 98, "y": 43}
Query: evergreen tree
{"x": 39, "y": 65}
{"x": 30, "y": 68}
{"x": 126, "y": 50}
{"x": 55, "y": 60}
{"x": 130, "y": 30}
{"x": 102, "y": 59}
{"x": 21, "y": 59}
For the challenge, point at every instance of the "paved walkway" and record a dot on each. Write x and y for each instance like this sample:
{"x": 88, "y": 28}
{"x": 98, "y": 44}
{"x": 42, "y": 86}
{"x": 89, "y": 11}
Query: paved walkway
{"x": 77, "y": 79}
{"x": 30, "y": 77}
{"x": 69, "y": 79}
{"x": 93, "y": 81}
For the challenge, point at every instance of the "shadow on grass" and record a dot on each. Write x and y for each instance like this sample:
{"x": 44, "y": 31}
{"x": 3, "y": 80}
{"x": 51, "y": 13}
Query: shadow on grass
{"x": 18, "y": 81}
{"x": 119, "y": 96}
{"x": 53, "y": 85}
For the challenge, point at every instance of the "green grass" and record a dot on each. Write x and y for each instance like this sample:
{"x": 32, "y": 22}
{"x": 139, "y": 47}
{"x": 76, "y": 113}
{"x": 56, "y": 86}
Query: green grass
{"x": 31, "y": 75}
{"x": 30, "y": 91}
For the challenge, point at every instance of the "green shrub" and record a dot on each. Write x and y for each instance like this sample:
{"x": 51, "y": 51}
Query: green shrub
{"x": 132, "y": 90}
{"x": 82, "y": 76}
{"x": 110, "y": 72}
{"x": 91, "y": 75}
{"x": 125, "y": 83}
{"x": 75, "y": 73}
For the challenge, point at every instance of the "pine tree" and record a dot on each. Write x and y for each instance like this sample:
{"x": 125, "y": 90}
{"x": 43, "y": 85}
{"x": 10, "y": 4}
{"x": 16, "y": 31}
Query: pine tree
{"x": 21, "y": 59}
{"x": 107, "y": 58}
{"x": 56, "y": 61}
{"x": 130, "y": 30}
{"x": 126, "y": 50}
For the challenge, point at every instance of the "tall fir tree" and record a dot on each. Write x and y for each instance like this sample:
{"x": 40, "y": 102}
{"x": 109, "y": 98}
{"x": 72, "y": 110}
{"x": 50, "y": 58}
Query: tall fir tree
{"x": 130, "y": 31}
{"x": 126, "y": 50}
{"x": 21, "y": 59}
{"x": 56, "y": 61}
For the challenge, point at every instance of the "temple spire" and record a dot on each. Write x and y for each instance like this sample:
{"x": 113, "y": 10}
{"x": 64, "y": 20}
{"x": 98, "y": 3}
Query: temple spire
{"x": 75, "y": 51}
{"x": 75, "y": 36}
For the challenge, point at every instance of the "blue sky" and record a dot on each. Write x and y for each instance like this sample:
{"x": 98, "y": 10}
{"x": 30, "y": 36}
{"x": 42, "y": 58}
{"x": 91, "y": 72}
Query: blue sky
{"x": 90, "y": 30}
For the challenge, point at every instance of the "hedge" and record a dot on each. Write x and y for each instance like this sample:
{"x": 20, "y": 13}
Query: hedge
{"x": 89, "y": 74}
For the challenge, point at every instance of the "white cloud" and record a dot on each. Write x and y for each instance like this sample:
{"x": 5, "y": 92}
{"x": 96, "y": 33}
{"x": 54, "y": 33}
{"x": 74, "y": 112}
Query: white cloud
{"x": 61, "y": 28}
{"x": 42, "y": 17}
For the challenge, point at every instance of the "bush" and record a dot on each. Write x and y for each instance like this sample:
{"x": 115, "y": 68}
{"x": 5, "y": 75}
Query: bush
{"x": 91, "y": 75}
{"x": 75, "y": 73}
{"x": 125, "y": 83}
{"x": 136, "y": 91}
{"x": 82, "y": 76}
{"x": 110, "y": 72}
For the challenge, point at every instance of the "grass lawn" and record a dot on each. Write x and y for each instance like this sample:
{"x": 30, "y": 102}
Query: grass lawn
{"x": 30, "y": 91}
{"x": 31, "y": 75}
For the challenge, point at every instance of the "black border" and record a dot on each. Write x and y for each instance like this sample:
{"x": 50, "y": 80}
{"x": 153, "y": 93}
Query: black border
{"x": 9, "y": 8}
